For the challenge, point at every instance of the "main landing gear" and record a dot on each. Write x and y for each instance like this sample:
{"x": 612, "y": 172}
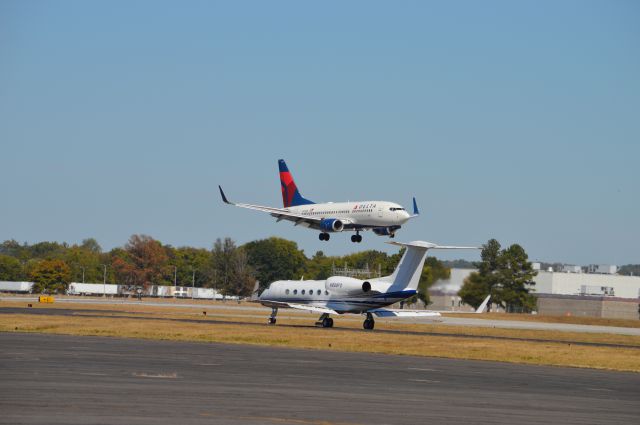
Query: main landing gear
{"x": 369, "y": 323}
{"x": 357, "y": 238}
{"x": 325, "y": 321}
{"x": 272, "y": 318}
{"x": 323, "y": 236}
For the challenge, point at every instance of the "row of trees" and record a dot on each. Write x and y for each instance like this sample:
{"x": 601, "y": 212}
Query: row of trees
{"x": 506, "y": 274}
{"x": 145, "y": 261}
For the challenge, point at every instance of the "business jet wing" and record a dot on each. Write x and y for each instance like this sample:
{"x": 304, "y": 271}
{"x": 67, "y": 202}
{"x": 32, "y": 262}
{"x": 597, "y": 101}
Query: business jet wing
{"x": 306, "y": 307}
{"x": 279, "y": 213}
{"x": 481, "y": 308}
{"x": 384, "y": 312}
{"x": 387, "y": 312}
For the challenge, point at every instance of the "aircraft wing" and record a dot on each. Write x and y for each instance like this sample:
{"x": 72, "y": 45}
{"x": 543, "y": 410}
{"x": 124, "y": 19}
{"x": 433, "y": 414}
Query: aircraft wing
{"x": 387, "y": 312}
{"x": 279, "y": 213}
{"x": 481, "y": 308}
{"x": 306, "y": 307}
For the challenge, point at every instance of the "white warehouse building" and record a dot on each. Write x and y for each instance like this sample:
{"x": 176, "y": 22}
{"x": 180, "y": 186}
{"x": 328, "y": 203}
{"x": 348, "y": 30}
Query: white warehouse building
{"x": 610, "y": 285}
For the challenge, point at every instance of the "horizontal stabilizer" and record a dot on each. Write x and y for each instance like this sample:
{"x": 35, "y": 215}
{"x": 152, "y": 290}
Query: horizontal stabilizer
{"x": 430, "y": 245}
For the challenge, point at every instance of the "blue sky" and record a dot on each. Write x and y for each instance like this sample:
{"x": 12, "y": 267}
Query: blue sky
{"x": 513, "y": 120}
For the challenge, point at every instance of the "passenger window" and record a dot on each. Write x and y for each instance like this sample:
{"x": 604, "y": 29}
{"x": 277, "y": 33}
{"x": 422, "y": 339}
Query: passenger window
{"x": 326, "y": 292}
{"x": 295, "y": 292}
{"x": 286, "y": 292}
{"x": 319, "y": 292}
{"x": 302, "y": 292}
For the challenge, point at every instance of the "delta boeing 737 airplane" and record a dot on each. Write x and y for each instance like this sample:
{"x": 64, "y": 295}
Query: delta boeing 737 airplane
{"x": 382, "y": 217}
{"x": 339, "y": 294}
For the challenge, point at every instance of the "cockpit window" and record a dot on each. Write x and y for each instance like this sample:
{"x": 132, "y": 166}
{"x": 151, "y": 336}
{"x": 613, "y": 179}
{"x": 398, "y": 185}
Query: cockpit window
{"x": 396, "y": 209}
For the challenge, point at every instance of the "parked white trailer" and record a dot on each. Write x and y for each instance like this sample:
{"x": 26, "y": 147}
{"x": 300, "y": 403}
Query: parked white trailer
{"x": 8, "y": 286}
{"x": 76, "y": 288}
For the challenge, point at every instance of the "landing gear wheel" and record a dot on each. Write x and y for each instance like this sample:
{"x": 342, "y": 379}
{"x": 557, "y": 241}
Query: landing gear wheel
{"x": 272, "y": 320}
{"x": 393, "y": 235}
{"x": 327, "y": 322}
{"x": 359, "y": 238}
{"x": 323, "y": 236}
{"x": 354, "y": 238}
{"x": 369, "y": 323}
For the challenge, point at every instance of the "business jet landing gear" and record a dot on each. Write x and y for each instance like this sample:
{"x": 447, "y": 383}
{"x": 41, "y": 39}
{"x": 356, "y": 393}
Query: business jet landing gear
{"x": 369, "y": 323}
{"x": 272, "y": 318}
{"x": 323, "y": 236}
{"x": 325, "y": 321}
{"x": 357, "y": 238}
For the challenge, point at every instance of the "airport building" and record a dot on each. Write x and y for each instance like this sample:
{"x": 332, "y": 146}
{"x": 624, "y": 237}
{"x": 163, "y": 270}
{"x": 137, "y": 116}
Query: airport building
{"x": 593, "y": 291}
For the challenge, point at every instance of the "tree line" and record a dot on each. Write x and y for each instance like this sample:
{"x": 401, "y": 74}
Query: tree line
{"x": 506, "y": 274}
{"x": 230, "y": 268}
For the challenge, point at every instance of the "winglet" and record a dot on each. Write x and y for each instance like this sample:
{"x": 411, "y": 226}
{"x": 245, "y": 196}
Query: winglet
{"x": 415, "y": 207}
{"x": 482, "y": 307}
{"x": 224, "y": 198}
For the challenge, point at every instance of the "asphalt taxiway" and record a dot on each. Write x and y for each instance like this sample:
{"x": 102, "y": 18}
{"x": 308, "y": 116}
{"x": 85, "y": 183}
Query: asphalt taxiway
{"x": 56, "y": 379}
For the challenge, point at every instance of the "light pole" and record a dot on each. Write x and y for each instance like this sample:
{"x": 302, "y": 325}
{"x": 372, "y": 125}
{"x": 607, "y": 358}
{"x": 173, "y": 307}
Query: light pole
{"x": 175, "y": 275}
{"x": 82, "y": 274}
{"x": 104, "y": 281}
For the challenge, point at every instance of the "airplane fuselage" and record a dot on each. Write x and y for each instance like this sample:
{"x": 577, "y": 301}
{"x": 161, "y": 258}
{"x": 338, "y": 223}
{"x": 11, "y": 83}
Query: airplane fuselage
{"x": 342, "y": 294}
{"x": 365, "y": 214}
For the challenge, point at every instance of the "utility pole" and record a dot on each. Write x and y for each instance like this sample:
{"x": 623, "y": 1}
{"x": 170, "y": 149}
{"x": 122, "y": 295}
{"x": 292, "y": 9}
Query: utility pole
{"x": 82, "y": 274}
{"x": 175, "y": 275}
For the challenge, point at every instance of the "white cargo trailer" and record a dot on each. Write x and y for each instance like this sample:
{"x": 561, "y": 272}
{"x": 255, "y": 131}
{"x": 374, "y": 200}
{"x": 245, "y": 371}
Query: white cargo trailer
{"x": 76, "y": 288}
{"x": 8, "y": 286}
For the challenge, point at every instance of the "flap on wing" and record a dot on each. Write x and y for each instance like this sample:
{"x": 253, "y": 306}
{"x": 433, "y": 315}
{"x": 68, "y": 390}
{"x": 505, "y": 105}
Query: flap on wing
{"x": 383, "y": 312}
{"x": 313, "y": 308}
{"x": 307, "y": 307}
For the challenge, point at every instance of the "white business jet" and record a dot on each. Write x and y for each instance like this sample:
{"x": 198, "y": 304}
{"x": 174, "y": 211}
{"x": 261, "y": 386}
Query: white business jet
{"x": 339, "y": 295}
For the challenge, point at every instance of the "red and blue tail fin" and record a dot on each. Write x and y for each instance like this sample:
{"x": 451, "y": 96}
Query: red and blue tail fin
{"x": 290, "y": 195}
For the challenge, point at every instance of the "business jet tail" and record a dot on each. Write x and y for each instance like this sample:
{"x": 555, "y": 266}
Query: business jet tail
{"x": 406, "y": 276}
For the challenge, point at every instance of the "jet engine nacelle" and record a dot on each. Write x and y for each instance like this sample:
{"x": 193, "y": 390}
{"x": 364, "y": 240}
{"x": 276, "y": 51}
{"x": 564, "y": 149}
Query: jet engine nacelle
{"x": 331, "y": 225}
{"x": 347, "y": 285}
{"x": 385, "y": 231}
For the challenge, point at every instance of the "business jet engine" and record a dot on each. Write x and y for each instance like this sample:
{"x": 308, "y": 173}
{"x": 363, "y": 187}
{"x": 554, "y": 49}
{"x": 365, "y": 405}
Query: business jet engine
{"x": 331, "y": 225}
{"x": 347, "y": 286}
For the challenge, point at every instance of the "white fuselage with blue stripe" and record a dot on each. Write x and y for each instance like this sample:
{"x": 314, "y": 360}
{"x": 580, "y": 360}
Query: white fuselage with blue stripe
{"x": 348, "y": 295}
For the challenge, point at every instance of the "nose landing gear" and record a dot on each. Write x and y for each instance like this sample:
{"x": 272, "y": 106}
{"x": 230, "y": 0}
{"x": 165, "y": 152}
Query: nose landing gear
{"x": 272, "y": 318}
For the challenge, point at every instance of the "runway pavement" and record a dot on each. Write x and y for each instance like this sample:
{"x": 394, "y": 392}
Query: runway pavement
{"x": 57, "y": 379}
